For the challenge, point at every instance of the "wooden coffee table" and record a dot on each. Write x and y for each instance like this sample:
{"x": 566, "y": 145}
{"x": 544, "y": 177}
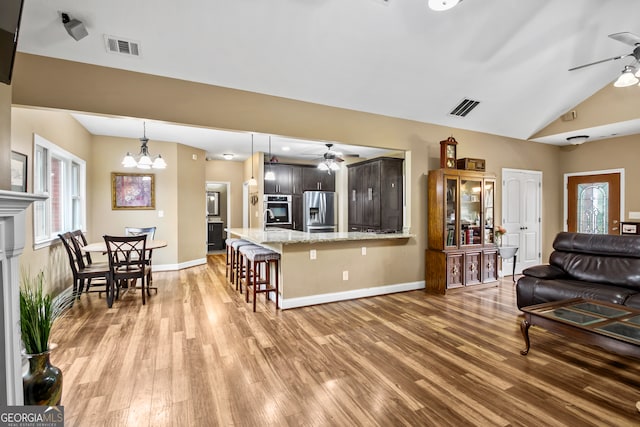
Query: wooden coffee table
{"x": 614, "y": 327}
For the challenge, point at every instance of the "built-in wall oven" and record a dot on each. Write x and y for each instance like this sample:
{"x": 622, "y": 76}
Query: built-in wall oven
{"x": 279, "y": 209}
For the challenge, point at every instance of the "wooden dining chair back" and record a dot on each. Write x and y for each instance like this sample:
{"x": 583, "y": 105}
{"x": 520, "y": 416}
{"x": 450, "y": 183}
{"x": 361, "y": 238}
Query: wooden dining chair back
{"x": 79, "y": 242}
{"x": 128, "y": 262}
{"x": 150, "y": 232}
{"x": 95, "y": 274}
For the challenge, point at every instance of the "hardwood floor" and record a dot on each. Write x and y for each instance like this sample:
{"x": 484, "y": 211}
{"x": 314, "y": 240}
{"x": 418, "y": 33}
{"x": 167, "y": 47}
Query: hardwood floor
{"x": 196, "y": 355}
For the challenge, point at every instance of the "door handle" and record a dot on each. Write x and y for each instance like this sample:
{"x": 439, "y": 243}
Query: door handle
{"x": 370, "y": 191}
{"x": 353, "y": 195}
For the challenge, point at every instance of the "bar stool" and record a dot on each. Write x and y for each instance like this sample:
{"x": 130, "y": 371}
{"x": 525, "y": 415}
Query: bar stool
{"x": 240, "y": 270}
{"x": 229, "y": 261}
{"x": 255, "y": 259}
{"x": 235, "y": 245}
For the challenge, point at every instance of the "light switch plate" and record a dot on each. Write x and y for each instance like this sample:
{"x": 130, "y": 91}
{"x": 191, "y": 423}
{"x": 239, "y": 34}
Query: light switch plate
{"x": 312, "y": 254}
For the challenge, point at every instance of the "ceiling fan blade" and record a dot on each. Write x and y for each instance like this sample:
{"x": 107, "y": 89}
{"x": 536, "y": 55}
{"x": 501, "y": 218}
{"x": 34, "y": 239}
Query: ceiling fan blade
{"x": 626, "y": 38}
{"x": 600, "y": 62}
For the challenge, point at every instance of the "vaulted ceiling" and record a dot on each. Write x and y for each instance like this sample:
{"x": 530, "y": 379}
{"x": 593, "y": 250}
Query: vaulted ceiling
{"x": 396, "y": 58}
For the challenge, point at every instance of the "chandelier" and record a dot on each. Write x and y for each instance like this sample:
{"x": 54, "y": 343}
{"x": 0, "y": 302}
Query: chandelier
{"x": 143, "y": 158}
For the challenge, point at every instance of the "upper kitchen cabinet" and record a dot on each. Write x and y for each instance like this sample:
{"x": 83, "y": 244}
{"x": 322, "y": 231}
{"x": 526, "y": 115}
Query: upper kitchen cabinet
{"x": 283, "y": 184}
{"x": 375, "y": 195}
{"x": 314, "y": 179}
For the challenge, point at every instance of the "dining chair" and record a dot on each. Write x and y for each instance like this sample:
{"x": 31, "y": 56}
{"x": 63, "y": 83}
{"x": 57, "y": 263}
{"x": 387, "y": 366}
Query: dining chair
{"x": 150, "y": 232}
{"x": 83, "y": 273}
{"x": 128, "y": 262}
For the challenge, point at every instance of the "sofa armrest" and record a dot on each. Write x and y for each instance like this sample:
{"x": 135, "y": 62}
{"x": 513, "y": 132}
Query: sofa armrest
{"x": 545, "y": 272}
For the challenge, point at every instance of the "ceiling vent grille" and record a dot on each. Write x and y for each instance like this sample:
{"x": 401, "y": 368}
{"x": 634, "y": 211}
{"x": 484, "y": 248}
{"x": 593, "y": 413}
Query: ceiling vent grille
{"x": 464, "y": 107}
{"x": 122, "y": 46}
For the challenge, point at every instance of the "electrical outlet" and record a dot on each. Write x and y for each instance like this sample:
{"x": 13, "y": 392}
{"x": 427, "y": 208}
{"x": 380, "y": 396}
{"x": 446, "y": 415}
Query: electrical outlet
{"x": 160, "y": 214}
{"x": 312, "y": 254}
{"x": 364, "y": 250}
{"x": 345, "y": 275}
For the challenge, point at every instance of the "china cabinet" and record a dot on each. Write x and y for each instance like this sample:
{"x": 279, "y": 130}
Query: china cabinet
{"x": 461, "y": 249}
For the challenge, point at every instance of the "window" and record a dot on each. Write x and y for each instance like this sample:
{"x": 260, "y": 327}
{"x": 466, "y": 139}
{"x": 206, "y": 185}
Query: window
{"x": 62, "y": 176}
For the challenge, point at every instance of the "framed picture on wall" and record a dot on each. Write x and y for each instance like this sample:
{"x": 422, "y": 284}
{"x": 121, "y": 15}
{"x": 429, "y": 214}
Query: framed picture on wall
{"x": 18, "y": 172}
{"x": 132, "y": 191}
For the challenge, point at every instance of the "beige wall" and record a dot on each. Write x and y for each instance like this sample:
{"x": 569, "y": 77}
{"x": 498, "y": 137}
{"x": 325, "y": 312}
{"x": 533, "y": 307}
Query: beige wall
{"x": 609, "y": 105}
{"x": 64, "y": 131}
{"x": 5, "y": 137}
{"x": 233, "y": 173}
{"x": 192, "y": 227}
{"x": 615, "y": 153}
{"x": 71, "y": 86}
{"x": 106, "y": 155}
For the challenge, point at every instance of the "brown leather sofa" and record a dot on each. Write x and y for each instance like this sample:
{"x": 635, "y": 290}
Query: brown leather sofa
{"x": 592, "y": 266}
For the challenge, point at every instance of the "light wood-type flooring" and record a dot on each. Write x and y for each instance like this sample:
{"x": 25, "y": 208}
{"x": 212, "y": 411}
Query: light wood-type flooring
{"x": 196, "y": 355}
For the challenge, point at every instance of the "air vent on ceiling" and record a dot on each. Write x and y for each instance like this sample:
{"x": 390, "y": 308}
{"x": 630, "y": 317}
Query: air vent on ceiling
{"x": 122, "y": 46}
{"x": 464, "y": 107}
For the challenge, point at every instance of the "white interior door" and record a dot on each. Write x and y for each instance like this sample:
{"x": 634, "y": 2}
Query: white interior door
{"x": 521, "y": 217}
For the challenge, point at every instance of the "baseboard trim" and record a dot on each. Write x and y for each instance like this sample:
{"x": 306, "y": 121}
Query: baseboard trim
{"x": 347, "y": 295}
{"x": 174, "y": 267}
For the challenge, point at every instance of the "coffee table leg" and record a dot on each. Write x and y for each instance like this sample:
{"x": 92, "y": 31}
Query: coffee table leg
{"x": 524, "y": 327}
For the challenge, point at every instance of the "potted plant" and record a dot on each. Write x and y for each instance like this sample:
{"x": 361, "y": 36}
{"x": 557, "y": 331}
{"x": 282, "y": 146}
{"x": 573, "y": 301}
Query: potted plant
{"x": 42, "y": 383}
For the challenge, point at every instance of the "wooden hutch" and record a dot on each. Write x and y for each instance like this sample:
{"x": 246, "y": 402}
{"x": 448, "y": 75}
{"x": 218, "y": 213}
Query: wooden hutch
{"x": 461, "y": 250}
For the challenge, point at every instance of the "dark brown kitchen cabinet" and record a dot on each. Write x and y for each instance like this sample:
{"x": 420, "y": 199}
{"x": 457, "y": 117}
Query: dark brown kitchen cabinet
{"x": 314, "y": 179}
{"x": 214, "y": 236}
{"x": 283, "y": 184}
{"x": 296, "y": 180}
{"x": 461, "y": 250}
{"x": 296, "y": 212}
{"x": 375, "y": 195}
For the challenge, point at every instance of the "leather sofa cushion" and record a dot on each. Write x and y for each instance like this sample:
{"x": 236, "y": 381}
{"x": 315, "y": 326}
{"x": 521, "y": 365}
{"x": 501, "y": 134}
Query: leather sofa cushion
{"x": 606, "y": 270}
{"x": 598, "y": 244}
{"x": 532, "y": 291}
{"x": 545, "y": 271}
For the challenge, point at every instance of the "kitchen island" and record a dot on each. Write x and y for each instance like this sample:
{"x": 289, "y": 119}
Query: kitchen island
{"x": 317, "y": 268}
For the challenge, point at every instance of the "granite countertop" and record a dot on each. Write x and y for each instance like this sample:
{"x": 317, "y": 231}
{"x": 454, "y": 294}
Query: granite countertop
{"x": 283, "y": 236}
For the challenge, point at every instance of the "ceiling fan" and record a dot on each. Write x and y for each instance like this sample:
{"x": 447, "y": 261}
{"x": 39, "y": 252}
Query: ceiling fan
{"x": 627, "y": 78}
{"x": 332, "y": 154}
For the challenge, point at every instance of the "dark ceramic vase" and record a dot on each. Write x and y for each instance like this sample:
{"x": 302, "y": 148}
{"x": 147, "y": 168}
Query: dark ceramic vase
{"x": 42, "y": 383}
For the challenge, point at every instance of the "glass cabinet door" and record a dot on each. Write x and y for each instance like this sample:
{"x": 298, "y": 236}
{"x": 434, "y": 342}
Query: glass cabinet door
{"x": 470, "y": 212}
{"x": 488, "y": 211}
{"x": 451, "y": 212}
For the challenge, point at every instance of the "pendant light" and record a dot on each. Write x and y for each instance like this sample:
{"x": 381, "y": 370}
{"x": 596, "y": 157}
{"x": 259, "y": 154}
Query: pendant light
{"x": 144, "y": 158}
{"x": 252, "y": 181}
{"x": 270, "y": 176}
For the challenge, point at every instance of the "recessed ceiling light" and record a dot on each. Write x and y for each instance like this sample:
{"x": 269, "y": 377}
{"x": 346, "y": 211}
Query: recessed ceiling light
{"x": 286, "y": 148}
{"x": 577, "y": 139}
{"x": 443, "y": 4}
{"x": 227, "y": 156}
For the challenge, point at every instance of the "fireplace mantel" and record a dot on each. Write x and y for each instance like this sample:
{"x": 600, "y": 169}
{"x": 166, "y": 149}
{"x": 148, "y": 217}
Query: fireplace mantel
{"x": 12, "y": 241}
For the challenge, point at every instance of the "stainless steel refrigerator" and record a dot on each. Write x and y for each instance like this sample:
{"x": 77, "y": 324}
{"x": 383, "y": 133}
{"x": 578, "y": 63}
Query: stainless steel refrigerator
{"x": 319, "y": 211}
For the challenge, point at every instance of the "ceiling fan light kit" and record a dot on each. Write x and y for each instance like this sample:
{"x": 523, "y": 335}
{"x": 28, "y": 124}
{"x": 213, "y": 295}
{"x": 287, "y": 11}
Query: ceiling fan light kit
{"x": 330, "y": 160}
{"x": 627, "y": 78}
